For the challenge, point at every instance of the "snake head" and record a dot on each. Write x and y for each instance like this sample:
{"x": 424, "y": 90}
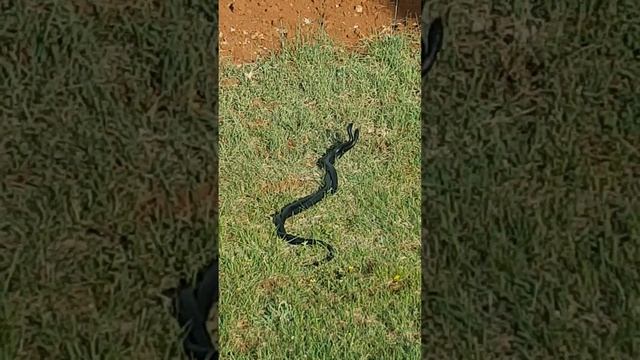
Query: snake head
{"x": 353, "y": 138}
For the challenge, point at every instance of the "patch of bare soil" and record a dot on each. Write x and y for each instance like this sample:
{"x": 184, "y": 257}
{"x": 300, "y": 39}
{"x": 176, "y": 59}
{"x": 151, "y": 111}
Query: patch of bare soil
{"x": 250, "y": 29}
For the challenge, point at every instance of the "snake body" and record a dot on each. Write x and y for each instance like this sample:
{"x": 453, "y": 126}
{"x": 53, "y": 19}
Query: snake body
{"x": 329, "y": 186}
{"x": 191, "y": 305}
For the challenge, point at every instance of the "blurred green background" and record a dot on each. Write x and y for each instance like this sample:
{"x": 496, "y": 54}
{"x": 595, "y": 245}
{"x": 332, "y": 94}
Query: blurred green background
{"x": 532, "y": 181}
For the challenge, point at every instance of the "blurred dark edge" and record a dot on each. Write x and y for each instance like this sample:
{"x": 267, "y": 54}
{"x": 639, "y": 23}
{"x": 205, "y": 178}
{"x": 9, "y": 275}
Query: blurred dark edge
{"x": 192, "y": 300}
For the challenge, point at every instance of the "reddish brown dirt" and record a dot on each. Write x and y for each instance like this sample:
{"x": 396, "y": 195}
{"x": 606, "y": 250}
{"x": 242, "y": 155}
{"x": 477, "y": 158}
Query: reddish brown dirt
{"x": 250, "y": 29}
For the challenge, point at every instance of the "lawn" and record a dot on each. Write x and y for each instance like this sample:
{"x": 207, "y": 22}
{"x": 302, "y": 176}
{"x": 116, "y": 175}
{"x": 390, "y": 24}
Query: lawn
{"x": 277, "y": 117}
{"x": 531, "y": 182}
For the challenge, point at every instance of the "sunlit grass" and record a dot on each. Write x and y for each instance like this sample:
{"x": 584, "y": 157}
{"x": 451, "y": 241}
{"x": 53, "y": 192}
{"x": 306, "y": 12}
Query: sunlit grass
{"x": 277, "y": 118}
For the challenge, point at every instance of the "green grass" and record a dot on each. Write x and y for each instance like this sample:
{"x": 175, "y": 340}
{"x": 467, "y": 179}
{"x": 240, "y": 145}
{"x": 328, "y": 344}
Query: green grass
{"x": 106, "y": 123}
{"x": 277, "y": 118}
{"x": 532, "y": 181}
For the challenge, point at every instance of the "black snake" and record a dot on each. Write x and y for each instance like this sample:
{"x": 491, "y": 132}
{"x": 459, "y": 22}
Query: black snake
{"x": 329, "y": 186}
{"x": 191, "y": 305}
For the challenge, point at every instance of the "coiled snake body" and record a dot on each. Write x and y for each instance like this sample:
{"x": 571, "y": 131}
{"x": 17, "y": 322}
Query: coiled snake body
{"x": 329, "y": 186}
